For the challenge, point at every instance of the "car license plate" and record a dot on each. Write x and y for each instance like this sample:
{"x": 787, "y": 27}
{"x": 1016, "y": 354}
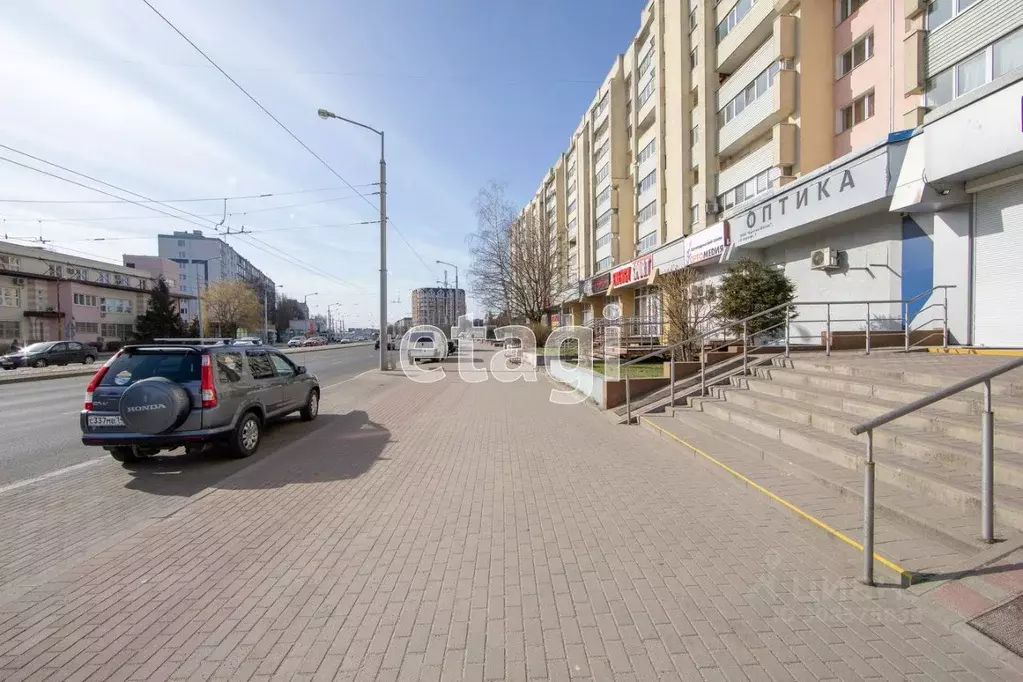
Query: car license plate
{"x": 95, "y": 420}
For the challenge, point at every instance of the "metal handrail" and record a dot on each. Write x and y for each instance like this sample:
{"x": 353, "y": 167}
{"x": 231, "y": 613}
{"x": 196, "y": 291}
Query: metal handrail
{"x": 987, "y": 459}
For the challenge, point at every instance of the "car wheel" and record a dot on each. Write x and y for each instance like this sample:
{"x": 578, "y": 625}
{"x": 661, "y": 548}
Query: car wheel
{"x": 40, "y": 363}
{"x": 312, "y": 406}
{"x": 124, "y": 454}
{"x": 246, "y": 436}
{"x": 88, "y": 360}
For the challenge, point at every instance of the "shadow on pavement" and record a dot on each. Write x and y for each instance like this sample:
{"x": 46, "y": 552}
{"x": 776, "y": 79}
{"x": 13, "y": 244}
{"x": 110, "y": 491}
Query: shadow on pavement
{"x": 336, "y": 447}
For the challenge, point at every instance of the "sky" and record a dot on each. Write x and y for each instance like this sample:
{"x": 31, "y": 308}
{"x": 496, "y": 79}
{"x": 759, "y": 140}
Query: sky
{"x": 466, "y": 91}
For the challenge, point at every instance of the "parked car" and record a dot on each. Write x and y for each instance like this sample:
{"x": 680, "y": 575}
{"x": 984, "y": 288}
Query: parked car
{"x": 296, "y": 342}
{"x": 248, "y": 341}
{"x": 47, "y": 353}
{"x": 315, "y": 341}
{"x": 155, "y": 397}
{"x": 427, "y": 345}
{"x": 345, "y": 341}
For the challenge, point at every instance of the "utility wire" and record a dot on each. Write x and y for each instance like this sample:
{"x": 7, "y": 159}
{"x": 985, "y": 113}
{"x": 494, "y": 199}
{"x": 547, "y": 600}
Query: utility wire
{"x": 106, "y": 184}
{"x": 243, "y": 231}
{"x": 282, "y": 126}
{"x": 245, "y": 238}
{"x": 264, "y": 195}
{"x": 94, "y": 189}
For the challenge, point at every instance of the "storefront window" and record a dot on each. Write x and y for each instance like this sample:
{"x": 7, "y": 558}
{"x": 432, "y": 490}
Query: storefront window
{"x": 648, "y": 311}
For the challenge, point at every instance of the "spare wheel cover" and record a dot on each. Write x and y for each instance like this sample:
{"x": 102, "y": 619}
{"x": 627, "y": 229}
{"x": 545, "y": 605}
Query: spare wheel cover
{"x": 154, "y": 405}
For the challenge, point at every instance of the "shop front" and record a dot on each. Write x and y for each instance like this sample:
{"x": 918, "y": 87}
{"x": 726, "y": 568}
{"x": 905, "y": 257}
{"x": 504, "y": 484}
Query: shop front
{"x": 639, "y": 301}
{"x": 594, "y": 290}
{"x": 974, "y": 145}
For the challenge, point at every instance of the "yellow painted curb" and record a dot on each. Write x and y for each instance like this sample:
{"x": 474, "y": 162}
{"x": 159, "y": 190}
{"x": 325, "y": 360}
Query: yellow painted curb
{"x": 1006, "y": 352}
{"x": 907, "y": 576}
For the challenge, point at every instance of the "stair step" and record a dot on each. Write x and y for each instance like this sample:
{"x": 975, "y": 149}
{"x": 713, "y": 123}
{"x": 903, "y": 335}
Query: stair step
{"x": 910, "y": 369}
{"x": 928, "y": 479}
{"x": 919, "y": 437}
{"x": 831, "y": 494}
{"x": 966, "y": 403}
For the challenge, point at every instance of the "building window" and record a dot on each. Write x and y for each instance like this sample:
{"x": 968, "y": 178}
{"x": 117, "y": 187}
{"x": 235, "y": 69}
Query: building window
{"x": 115, "y": 305}
{"x": 604, "y": 196}
{"x": 10, "y": 263}
{"x": 694, "y": 135}
{"x": 694, "y": 59}
{"x": 744, "y": 191}
{"x": 601, "y": 150}
{"x": 571, "y": 206}
{"x": 604, "y": 264}
{"x": 54, "y": 270}
{"x": 181, "y": 242}
{"x": 857, "y": 112}
{"x": 571, "y": 189}
{"x": 940, "y": 88}
{"x": 694, "y": 214}
{"x": 86, "y": 327}
{"x": 84, "y": 299}
{"x": 10, "y": 297}
{"x": 647, "y": 242}
{"x": 604, "y": 219}
{"x": 692, "y": 21}
{"x": 10, "y": 330}
{"x": 647, "y": 183}
{"x": 647, "y": 151}
{"x": 647, "y": 212}
{"x": 603, "y": 240}
{"x": 861, "y": 51}
{"x": 644, "y": 65}
{"x": 647, "y": 92}
{"x": 1008, "y": 53}
{"x": 601, "y": 174}
{"x": 940, "y": 11}
{"x": 648, "y": 310}
{"x": 846, "y": 8}
{"x": 181, "y": 254}
{"x": 737, "y": 14}
{"x": 971, "y": 73}
{"x": 756, "y": 89}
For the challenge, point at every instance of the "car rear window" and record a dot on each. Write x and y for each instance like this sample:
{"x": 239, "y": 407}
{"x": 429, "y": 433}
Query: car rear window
{"x": 131, "y": 367}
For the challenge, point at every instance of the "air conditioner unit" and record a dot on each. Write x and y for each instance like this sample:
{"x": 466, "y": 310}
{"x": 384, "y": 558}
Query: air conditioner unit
{"x": 713, "y": 208}
{"x": 18, "y": 281}
{"x": 824, "y": 259}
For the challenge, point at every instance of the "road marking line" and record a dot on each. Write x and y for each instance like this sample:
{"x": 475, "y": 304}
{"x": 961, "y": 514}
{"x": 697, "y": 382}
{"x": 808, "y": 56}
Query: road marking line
{"x": 345, "y": 381}
{"x": 52, "y": 474}
{"x": 907, "y": 576}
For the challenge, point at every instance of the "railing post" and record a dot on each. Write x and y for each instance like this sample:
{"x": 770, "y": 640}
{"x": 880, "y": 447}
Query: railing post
{"x": 868, "y": 327}
{"x": 905, "y": 322}
{"x": 671, "y": 374}
{"x": 788, "y": 316}
{"x": 868, "y": 512}
{"x": 987, "y": 467}
{"x": 827, "y": 331}
{"x": 703, "y": 369}
{"x": 944, "y": 321}
{"x": 745, "y": 345}
{"x": 628, "y": 399}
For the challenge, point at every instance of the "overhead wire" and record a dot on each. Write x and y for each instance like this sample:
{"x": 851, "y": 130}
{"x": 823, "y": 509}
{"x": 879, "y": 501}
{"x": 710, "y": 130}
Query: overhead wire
{"x": 281, "y": 125}
{"x": 264, "y": 195}
{"x": 292, "y": 260}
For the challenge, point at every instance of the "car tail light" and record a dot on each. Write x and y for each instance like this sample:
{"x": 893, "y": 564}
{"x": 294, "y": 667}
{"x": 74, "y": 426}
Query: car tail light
{"x": 96, "y": 378}
{"x": 209, "y": 391}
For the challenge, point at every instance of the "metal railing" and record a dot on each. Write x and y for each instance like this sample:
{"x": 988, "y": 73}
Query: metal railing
{"x": 828, "y": 321}
{"x": 987, "y": 463}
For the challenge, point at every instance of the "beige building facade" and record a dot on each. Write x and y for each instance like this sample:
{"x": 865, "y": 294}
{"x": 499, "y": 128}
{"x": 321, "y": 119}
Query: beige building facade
{"x": 715, "y": 109}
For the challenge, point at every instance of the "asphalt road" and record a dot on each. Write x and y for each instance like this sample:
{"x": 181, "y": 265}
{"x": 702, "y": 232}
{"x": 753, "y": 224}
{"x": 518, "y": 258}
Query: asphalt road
{"x": 39, "y": 420}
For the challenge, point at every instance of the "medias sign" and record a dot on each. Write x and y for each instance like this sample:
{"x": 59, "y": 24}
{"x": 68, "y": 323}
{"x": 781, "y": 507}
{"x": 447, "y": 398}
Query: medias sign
{"x": 852, "y": 184}
{"x": 707, "y": 244}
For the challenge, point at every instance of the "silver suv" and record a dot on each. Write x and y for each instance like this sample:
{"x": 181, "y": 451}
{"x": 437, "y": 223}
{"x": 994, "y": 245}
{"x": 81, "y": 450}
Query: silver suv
{"x": 190, "y": 393}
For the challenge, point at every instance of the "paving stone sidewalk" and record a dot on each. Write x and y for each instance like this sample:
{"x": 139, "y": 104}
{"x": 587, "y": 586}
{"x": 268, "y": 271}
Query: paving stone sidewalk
{"x": 475, "y": 531}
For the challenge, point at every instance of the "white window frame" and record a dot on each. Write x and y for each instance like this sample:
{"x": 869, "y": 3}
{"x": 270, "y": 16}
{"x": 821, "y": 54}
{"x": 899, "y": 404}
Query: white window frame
{"x": 647, "y": 212}
{"x": 847, "y": 8}
{"x": 867, "y": 40}
{"x": 10, "y": 297}
{"x": 12, "y": 263}
{"x": 646, "y": 152}
{"x": 988, "y": 51}
{"x": 604, "y": 264}
{"x": 958, "y": 7}
{"x": 868, "y": 99}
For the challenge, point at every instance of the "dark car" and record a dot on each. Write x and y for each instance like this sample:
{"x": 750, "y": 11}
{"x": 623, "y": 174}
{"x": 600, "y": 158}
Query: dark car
{"x": 161, "y": 396}
{"x": 47, "y": 353}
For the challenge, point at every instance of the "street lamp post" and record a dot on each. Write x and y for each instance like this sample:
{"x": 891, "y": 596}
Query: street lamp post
{"x": 305, "y": 304}
{"x": 266, "y": 310}
{"x": 324, "y": 114}
{"x": 442, "y": 262}
{"x": 198, "y": 293}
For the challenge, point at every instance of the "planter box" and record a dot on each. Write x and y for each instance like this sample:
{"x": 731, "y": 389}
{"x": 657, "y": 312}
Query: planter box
{"x": 614, "y": 391}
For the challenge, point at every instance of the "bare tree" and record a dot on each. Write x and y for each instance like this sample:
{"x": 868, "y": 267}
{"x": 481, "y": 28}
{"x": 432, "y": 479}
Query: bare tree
{"x": 689, "y": 307}
{"x": 231, "y": 304}
{"x": 517, "y": 265}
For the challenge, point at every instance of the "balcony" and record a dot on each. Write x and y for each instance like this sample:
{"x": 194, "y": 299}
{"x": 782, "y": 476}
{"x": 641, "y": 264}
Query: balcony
{"x": 760, "y": 115}
{"x": 748, "y": 33}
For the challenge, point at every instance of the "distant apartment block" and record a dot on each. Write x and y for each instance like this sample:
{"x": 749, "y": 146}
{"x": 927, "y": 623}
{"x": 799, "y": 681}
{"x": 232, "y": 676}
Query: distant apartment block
{"x": 438, "y": 306}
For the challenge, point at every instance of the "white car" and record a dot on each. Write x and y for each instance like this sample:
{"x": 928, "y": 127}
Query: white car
{"x": 427, "y": 346}
{"x": 296, "y": 342}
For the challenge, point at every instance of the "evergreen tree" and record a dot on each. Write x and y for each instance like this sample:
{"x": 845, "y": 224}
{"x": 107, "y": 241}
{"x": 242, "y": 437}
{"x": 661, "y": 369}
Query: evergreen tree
{"x": 161, "y": 319}
{"x": 751, "y": 287}
{"x": 193, "y": 329}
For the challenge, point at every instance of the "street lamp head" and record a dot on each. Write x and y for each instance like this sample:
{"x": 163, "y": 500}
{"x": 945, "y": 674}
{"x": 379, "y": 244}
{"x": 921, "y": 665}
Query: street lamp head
{"x": 324, "y": 114}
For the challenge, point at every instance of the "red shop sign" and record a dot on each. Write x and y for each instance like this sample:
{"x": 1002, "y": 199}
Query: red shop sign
{"x": 633, "y": 272}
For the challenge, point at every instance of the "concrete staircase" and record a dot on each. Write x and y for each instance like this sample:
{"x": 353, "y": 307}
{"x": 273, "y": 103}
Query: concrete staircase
{"x": 795, "y": 417}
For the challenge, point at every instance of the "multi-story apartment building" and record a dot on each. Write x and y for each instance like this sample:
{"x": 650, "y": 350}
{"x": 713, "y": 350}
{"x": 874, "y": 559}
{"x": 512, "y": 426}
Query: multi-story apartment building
{"x": 794, "y": 132}
{"x": 438, "y": 306}
{"x": 47, "y": 296}
{"x": 201, "y": 260}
